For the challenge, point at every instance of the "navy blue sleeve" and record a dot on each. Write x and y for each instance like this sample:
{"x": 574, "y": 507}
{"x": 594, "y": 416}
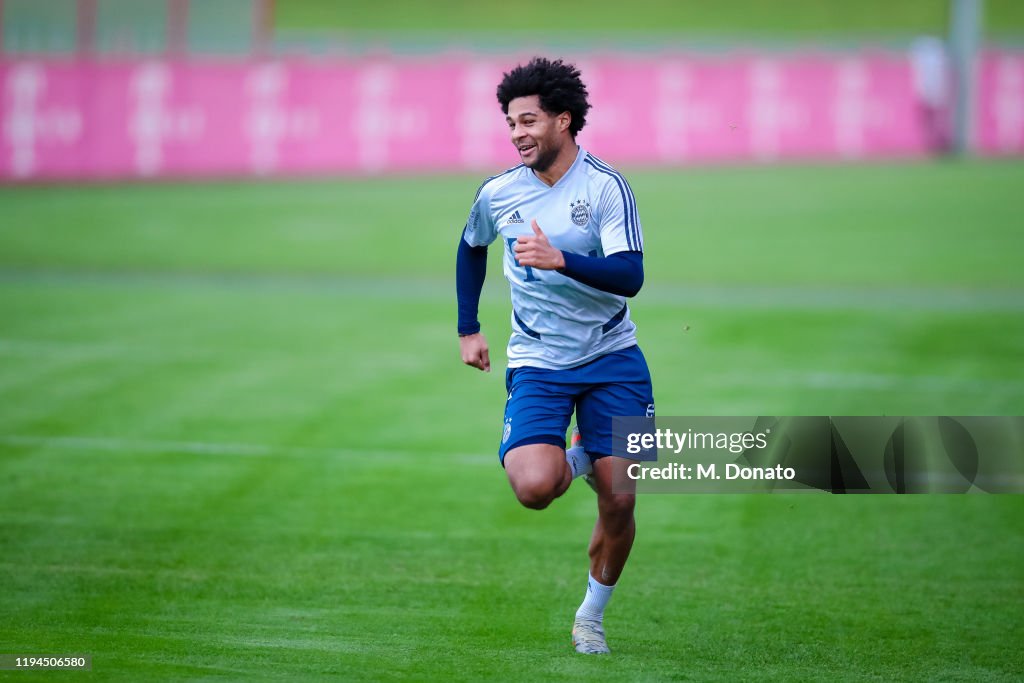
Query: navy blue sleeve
{"x": 470, "y": 270}
{"x": 621, "y": 273}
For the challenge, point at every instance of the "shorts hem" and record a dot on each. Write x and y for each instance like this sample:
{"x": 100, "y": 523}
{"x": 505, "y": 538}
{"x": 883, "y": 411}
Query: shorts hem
{"x": 531, "y": 440}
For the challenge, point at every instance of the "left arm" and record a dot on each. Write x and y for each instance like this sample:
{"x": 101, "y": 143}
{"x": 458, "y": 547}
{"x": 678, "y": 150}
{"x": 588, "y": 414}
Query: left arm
{"x": 621, "y": 273}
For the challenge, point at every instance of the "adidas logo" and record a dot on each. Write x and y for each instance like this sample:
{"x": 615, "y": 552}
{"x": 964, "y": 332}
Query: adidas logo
{"x": 515, "y": 218}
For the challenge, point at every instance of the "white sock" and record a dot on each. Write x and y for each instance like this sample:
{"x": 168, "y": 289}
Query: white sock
{"x": 597, "y": 597}
{"x": 579, "y": 461}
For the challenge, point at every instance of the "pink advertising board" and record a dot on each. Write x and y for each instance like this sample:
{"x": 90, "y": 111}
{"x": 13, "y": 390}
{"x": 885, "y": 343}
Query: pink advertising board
{"x": 999, "y": 113}
{"x": 144, "y": 119}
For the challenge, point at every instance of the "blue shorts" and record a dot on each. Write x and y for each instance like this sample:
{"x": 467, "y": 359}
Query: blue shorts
{"x": 541, "y": 402}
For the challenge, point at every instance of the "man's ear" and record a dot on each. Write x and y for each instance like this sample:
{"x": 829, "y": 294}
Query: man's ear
{"x": 564, "y": 119}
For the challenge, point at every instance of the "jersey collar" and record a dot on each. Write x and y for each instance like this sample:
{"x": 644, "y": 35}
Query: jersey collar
{"x": 580, "y": 156}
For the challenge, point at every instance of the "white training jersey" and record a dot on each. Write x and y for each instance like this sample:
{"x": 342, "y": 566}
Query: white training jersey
{"x": 559, "y": 322}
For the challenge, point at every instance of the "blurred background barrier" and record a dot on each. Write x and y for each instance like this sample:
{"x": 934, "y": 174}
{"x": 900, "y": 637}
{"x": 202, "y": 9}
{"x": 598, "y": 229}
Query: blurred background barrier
{"x": 999, "y": 122}
{"x": 104, "y": 89}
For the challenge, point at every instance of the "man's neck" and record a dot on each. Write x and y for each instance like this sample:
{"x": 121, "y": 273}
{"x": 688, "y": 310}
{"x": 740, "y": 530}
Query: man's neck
{"x": 563, "y": 162}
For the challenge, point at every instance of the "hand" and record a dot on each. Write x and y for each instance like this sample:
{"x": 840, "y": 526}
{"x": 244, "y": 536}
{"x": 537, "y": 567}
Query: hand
{"x": 474, "y": 351}
{"x": 537, "y": 252}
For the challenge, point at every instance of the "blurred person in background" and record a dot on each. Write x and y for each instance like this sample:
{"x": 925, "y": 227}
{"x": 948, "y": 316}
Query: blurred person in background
{"x": 931, "y": 85}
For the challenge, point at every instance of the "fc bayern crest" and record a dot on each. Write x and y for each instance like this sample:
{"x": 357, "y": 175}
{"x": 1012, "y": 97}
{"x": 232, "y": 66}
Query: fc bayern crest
{"x": 580, "y": 212}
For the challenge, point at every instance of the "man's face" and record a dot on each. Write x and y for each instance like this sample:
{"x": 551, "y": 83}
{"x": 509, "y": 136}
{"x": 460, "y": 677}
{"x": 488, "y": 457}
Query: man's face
{"x": 536, "y": 134}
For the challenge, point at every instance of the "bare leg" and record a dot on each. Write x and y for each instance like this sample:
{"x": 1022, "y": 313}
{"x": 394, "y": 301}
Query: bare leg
{"x": 538, "y": 474}
{"x": 609, "y": 549}
{"x": 615, "y": 527}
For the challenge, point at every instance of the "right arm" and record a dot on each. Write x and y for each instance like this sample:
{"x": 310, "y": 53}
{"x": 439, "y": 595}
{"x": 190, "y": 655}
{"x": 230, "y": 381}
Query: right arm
{"x": 470, "y": 271}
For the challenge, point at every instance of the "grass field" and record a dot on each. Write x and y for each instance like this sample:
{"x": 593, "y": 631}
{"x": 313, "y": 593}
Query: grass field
{"x": 796, "y": 18}
{"x": 236, "y": 442}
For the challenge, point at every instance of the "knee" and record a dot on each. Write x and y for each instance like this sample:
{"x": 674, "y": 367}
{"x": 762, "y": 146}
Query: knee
{"x": 617, "y": 509}
{"x": 535, "y": 493}
{"x": 538, "y": 474}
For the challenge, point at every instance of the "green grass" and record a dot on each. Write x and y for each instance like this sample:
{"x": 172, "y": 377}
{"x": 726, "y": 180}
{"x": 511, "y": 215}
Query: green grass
{"x": 756, "y": 17}
{"x": 236, "y": 441}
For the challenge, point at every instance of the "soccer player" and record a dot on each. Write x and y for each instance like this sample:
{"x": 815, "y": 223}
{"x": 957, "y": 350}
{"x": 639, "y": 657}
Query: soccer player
{"x": 573, "y": 253}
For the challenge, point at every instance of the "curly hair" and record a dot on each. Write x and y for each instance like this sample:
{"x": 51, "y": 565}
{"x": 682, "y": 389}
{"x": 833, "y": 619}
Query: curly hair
{"x": 557, "y": 84}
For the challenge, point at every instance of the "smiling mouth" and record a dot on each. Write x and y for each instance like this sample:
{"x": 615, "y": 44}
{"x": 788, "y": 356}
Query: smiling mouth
{"x": 528, "y": 148}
